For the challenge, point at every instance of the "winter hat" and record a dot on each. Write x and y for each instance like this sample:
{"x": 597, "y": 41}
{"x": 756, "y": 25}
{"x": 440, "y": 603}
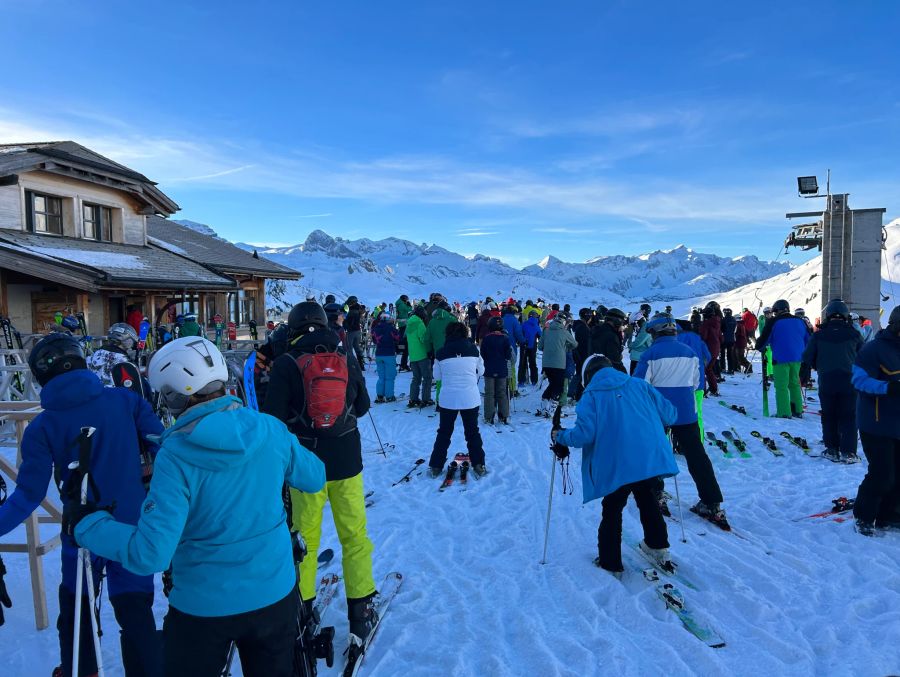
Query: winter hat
{"x": 386, "y": 317}
{"x": 495, "y": 324}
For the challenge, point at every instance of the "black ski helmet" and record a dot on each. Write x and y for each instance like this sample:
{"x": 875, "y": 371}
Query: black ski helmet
{"x": 781, "y": 306}
{"x": 836, "y": 308}
{"x": 585, "y": 313}
{"x": 495, "y": 324}
{"x": 592, "y": 365}
{"x": 645, "y": 308}
{"x": 329, "y": 298}
{"x": 307, "y": 316}
{"x": 55, "y": 354}
{"x": 617, "y": 316}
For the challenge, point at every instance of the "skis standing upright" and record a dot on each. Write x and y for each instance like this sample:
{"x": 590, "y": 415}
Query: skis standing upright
{"x": 250, "y": 381}
{"x": 765, "y": 383}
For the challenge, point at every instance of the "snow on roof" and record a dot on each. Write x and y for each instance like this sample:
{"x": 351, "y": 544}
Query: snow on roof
{"x": 94, "y": 259}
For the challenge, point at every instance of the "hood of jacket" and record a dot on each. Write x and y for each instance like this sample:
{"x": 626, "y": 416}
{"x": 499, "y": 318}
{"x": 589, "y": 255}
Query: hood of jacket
{"x": 214, "y": 435}
{"x": 71, "y": 389}
{"x": 442, "y": 315}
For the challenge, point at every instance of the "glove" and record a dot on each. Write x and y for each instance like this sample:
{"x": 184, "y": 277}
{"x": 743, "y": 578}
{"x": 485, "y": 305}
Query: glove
{"x": 561, "y": 451}
{"x": 73, "y": 513}
{"x": 5, "y": 601}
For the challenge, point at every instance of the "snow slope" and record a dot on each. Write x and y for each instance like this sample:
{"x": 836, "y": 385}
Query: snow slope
{"x": 807, "y": 597}
{"x": 382, "y": 270}
{"x": 802, "y": 286}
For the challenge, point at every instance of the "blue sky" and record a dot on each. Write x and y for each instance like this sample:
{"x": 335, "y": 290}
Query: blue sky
{"x": 510, "y": 128}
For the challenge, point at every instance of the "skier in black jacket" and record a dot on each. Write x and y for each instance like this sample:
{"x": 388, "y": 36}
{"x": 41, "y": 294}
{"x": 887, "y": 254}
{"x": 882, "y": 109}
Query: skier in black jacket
{"x": 582, "y": 351}
{"x": 831, "y": 351}
{"x": 340, "y": 449}
{"x": 606, "y": 337}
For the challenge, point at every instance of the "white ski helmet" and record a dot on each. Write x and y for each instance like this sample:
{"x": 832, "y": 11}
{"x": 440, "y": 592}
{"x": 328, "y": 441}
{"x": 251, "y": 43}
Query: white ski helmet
{"x": 187, "y": 366}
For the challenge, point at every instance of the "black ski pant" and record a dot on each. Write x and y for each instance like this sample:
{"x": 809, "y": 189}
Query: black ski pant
{"x": 445, "y": 433}
{"x": 197, "y": 646}
{"x": 140, "y": 642}
{"x": 839, "y": 418}
{"x": 609, "y": 534}
{"x": 687, "y": 440}
{"x": 879, "y": 493}
{"x": 404, "y": 355}
{"x": 556, "y": 380}
{"x": 528, "y": 366}
{"x": 354, "y": 338}
{"x": 729, "y": 361}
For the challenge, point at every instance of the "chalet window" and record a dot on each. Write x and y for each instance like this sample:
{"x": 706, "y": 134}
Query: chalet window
{"x": 97, "y": 222}
{"x": 44, "y": 213}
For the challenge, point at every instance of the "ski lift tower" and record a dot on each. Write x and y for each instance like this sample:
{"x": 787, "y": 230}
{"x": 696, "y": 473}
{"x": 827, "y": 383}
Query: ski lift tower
{"x": 851, "y": 241}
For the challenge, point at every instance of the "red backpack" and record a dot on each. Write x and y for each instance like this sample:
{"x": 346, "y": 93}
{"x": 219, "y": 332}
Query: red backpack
{"x": 325, "y": 378}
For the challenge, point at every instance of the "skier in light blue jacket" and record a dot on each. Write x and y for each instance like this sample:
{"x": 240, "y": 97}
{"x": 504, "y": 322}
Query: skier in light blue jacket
{"x": 215, "y": 512}
{"x": 621, "y": 431}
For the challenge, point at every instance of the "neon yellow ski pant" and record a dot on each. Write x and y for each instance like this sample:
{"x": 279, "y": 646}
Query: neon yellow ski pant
{"x": 788, "y": 395}
{"x": 698, "y": 396}
{"x": 348, "y": 508}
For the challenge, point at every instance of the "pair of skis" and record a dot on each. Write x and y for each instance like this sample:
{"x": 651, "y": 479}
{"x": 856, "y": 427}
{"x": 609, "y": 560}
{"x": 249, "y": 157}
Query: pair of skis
{"x": 799, "y": 442}
{"x": 839, "y": 506}
{"x": 674, "y": 598}
{"x": 459, "y": 465}
{"x": 732, "y": 437}
{"x": 768, "y": 442}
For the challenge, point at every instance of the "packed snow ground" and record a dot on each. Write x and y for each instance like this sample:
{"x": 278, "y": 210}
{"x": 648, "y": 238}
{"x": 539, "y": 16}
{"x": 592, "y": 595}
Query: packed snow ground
{"x": 807, "y": 597}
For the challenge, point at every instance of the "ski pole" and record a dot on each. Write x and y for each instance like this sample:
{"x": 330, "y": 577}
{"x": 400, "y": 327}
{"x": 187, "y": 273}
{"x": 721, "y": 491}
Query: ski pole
{"x": 375, "y": 428}
{"x": 549, "y": 508}
{"x": 83, "y": 568}
{"x": 406, "y": 477}
{"x": 680, "y": 510}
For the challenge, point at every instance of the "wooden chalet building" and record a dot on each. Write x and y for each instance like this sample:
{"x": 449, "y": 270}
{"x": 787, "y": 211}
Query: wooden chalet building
{"x": 81, "y": 233}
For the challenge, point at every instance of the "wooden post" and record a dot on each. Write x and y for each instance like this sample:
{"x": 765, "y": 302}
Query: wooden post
{"x": 22, "y": 413}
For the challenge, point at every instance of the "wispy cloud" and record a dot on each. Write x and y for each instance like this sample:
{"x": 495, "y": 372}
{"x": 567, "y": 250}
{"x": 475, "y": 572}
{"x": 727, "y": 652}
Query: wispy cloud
{"x": 313, "y": 216}
{"x": 214, "y": 175}
{"x": 563, "y": 230}
{"x": 426, "y": 179}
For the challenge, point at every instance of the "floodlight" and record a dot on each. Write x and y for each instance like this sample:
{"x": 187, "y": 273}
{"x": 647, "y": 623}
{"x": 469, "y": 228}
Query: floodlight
{"x": 807, "y": 185}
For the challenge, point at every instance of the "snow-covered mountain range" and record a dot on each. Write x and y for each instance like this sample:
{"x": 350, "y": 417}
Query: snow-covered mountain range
{"x": 382, "y": 270}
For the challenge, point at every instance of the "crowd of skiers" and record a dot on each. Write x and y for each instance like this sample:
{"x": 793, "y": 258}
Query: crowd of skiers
{"x": 229, "y": 482}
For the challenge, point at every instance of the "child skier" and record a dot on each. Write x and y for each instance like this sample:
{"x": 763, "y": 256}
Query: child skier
{"x": 121, "y": 340}
{"x": 620, "y": 458}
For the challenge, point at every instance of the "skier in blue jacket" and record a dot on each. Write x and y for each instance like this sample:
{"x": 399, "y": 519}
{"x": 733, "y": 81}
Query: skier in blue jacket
{"x": 531, "y": 331}
{"x": 72, "y": 396}
{"x": 876, "y": 375}
{"x": 674, "y": 369}
{"x": 215, "y": 512}
{"x": 620, "y": 458}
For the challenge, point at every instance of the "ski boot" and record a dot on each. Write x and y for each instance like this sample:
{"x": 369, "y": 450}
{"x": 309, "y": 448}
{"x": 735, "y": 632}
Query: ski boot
{"x": 379, "y": 399}
{"x": 659, "y": 556}
{"x": 413, "y": 404}
{"x": 390, "y": 399}
{"x": 713, "y": 513}
{"x": 850, "y": 459}
{"x": 618, "y": 573}
{"x": 362, "y": 616}
{"x": 434, "y": 473}
{"x": 865, "y": 528}
{"x": 832, "y": 455}
{"x": 479, "y": 470}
